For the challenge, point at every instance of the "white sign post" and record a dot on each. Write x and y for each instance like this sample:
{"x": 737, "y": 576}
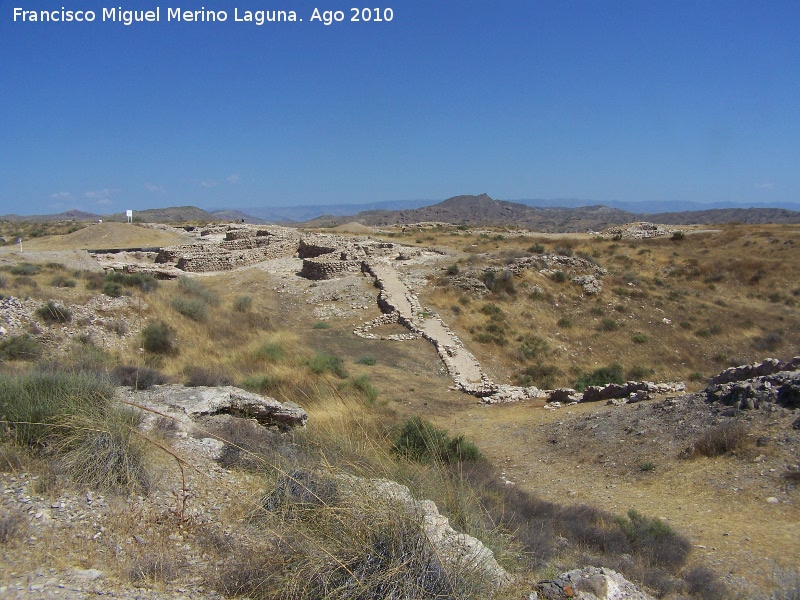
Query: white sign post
{"x": 129, "y": 214}
{"x": 20, "y": 245}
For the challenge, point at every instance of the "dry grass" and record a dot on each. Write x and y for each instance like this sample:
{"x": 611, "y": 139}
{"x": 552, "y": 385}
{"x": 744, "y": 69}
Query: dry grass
{"x": 723, "y": 308}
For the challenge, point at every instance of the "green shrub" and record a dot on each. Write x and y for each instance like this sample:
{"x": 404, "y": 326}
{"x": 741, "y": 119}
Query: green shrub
{"x": 60, "y": 281}
{"x": 364, "y": 386}
{"x": 536, "y": 249}
{"x": 34, "y": 403}
{"x": 640, "y": 338}
{"x": 655, "y": 539}
{"x": 192, "y": 287}
{"x": 322, "y": 363}
{"x": 418, "y": 440}
{"x": 539, "y": 375}
{"x": 159, "y": 338}
{"x": 194, "y": 308}
{"x": 559, "y": 276}
{"x": 500, "y": 283}
{"x": 52, "y": 313}
{"x": 534, "y": 347}
{"x": 112, "y": 289}
{"x": 271, "y": 351}
{"x": 565, "y": 323}
{"x": 26, "y": 269}
{"x": 677, "y": 235}
{"x": 638, "y": 373}
{"x": 262, "y": 384}
{"x": 601, "y": 376}
{"x": 20, "y": 347}
{"x": 320, "y": 325}
{"x": 493, "y": 311}
{"x": 242, "y": 303}
{"x": 452, "y": 269}
{"x": 368, "y": 361}
{"x": 608, "y": 324}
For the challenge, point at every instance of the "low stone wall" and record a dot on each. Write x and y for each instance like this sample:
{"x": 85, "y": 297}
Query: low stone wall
{"x": 318, "y": 269}
{"x": 768, "y": 367}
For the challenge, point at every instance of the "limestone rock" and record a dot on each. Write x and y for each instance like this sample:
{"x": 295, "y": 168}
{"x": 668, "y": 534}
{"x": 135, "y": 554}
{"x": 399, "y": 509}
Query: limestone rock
{"x": 590, "y": 583}
{"x": 460, "y": 549}
{"x": 200, "y": 401}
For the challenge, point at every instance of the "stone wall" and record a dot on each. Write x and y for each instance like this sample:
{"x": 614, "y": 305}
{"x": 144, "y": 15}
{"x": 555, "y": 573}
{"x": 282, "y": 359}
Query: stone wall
{"x": 323, "y": 268}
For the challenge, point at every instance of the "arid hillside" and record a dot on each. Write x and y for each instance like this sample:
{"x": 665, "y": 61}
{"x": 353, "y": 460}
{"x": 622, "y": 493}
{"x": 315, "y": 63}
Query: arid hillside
{"x": 688, "y": 495}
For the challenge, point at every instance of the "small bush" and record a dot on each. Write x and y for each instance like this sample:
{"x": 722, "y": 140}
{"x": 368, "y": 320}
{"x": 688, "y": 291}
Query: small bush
{"x": 272, "y": 352}
{"x": 26, "y": 269}
{"x": 724, "y": 438}
{"x": 677, "y": 235}
{"x": 565, "y": 323}
{"x": 102, "y": 451}
{"x": 418, "y": 440}
{"x": 534, "y": 347}
{"x": 601, "y": 376}
{"x": 52, "y": 313}
{"x": 364, "y": 386}
{"x": 647, "y": 466}
{"x": 539, "y": 375}
{"x": 20, "y": 347}
{"x": 656, "y": 540}
{"x": 262, "y": 384}
{"x": 492, "y": 311}
{"x": 452, "y": 270}
{"x": 242, "y": 303}
{"x": 159, "y": 338}
{"x": 320, "y": 325}
{"x": 138, "y": 378}
{"x": 608, "y": 324}
{"x": 322, "y": 363}
{"x": 640, "y": 338}
{"x": 559, "y": 276}
{"x": 368, "y": 361}
{"x": 703, "y": 582}
{"x": 194, "y": 308}
{"x": 193, "y": 288}
{"x": 638, "y": 373}
{"x": 117, "y": 326}
{"x": 536, "y": 249}
{"x": 60, "y": 281}
{"x": 112, "y": 289}
{"x": 499, "y": 282}
{"x": 202, "y": 377}
{"x": 13, "y": 526}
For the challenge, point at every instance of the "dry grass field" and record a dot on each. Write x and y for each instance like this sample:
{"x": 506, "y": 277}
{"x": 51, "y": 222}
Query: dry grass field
{"x": 671, "y": 309}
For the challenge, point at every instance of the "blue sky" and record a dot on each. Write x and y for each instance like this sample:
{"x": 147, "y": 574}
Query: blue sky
{"x": 639, "y": 101}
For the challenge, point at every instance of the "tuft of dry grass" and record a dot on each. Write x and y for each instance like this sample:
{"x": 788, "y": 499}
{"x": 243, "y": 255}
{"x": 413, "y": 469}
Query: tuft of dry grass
{"x": 725, "y": 438}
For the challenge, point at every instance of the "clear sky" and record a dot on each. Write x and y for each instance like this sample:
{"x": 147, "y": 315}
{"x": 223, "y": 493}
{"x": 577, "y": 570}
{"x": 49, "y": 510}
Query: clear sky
{"x": 641, "y": 100}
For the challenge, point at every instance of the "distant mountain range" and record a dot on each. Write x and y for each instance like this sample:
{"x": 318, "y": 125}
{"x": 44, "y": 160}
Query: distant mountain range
{"x": 175, "y": 214}
{"x": 539, "y": 215}
{"x": 484, "y": 210}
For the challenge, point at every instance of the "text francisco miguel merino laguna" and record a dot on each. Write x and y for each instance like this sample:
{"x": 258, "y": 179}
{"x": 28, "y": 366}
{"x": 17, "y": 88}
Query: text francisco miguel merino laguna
{"x": 128, "y": 17}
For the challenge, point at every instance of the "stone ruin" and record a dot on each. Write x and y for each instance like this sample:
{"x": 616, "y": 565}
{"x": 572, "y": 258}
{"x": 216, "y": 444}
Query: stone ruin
{"x": 325, "y": 256}
{"x": 641, "y": 230}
